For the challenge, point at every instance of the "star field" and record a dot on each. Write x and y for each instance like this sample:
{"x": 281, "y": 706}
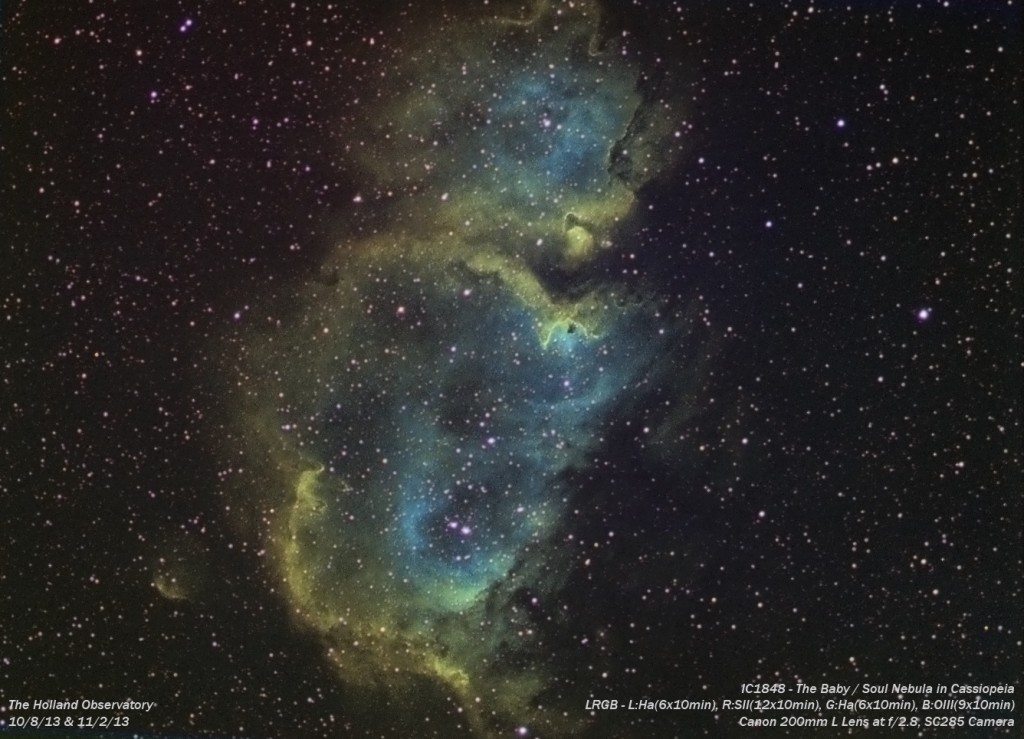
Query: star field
{"x": 389, "y": 369}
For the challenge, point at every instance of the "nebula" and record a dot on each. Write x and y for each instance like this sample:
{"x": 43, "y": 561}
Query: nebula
{"x": 425, "y": 404}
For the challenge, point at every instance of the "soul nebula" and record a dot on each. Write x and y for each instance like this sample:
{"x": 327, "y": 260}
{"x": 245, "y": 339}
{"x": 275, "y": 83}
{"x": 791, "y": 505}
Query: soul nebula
{"x": 426, "y": 401}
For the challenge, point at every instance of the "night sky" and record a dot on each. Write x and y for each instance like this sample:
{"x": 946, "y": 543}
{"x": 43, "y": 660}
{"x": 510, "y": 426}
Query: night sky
{"x": 393, "y": 369}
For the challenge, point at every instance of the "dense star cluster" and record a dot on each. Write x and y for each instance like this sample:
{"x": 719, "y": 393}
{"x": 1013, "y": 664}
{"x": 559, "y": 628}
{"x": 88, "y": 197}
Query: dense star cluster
{"x": 376, "y": 369}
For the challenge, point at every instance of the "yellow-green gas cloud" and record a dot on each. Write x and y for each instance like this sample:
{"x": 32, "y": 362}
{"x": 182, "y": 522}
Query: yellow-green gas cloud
{"x": 420, "y": 412}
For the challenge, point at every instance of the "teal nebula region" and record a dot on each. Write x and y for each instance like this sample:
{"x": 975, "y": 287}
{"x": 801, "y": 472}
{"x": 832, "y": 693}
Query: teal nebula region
{"x": 530, "y": 113}
{"x": 474, "y": 421}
